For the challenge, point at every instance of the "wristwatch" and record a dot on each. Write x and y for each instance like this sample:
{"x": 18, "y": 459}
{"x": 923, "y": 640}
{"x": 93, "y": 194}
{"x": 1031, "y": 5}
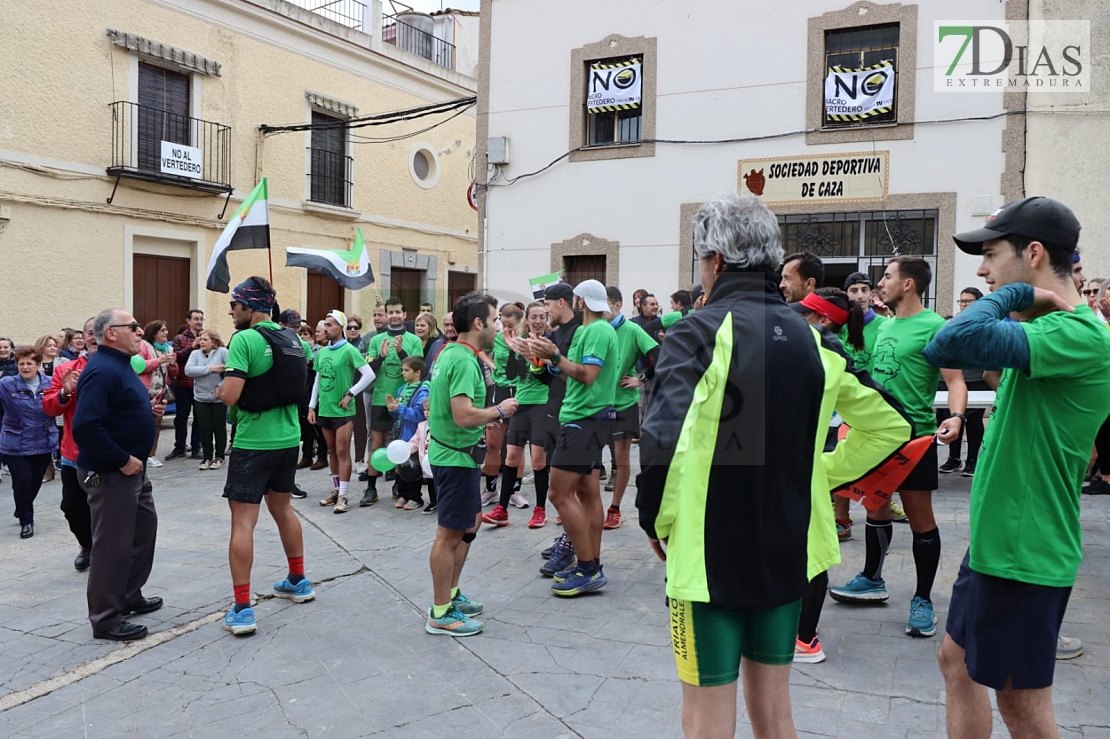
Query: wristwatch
{"x": 555, "y": 359}
{"x": 960, "y": 416}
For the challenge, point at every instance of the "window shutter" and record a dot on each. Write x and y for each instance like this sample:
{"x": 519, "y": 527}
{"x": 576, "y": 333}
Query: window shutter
{"x": 328, "y": 176}
{"x": 163, "y": 112}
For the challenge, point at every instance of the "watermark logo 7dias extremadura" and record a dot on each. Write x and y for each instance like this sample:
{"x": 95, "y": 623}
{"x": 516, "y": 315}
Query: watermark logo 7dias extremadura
{"x": 1031, "y": 56}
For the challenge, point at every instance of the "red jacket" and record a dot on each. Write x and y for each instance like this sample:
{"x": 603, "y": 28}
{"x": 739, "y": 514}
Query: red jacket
{"x": 53, "y": 406}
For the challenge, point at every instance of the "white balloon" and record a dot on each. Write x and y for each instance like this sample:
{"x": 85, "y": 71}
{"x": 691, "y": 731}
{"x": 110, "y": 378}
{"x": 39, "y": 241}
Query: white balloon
{"x": 397, "y": 451}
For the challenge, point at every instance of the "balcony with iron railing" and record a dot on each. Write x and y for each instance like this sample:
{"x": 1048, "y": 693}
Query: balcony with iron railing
{"x": 158, "y": 146}
{"x": 330, "y": 177}
{"x": 400, "y": 29}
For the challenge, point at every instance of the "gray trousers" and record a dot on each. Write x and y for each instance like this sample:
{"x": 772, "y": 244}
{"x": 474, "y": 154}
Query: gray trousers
{"x": 124, "y": 527}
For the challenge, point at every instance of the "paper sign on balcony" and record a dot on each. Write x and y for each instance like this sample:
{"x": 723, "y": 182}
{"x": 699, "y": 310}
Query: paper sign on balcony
{"x": 181, "y": 160}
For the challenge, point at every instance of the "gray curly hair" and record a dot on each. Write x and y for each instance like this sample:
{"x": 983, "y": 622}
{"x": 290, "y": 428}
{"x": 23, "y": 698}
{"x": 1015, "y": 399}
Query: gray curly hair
{"x": 742, "y": 230}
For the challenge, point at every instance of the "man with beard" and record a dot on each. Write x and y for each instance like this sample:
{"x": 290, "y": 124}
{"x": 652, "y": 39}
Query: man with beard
{"x": 456, "y": 422}
{"x": 898, "y": 365}
{"x": 586, "y": 419}
{"x": 263, "y": 460}
{"x": 387, "y": 349}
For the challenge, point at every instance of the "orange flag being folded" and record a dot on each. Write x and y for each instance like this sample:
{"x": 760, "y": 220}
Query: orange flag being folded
{"x": 875, "y": 489}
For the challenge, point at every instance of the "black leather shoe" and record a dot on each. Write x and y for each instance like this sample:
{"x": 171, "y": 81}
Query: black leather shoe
{"x": 81, "y": 562}
{"x": 196, "y": 455}
{"x": 27, "y": 531}
{"x": 124, "y": 631}
{"x": 175, "y": 454}
{"x": 143, "y": 605}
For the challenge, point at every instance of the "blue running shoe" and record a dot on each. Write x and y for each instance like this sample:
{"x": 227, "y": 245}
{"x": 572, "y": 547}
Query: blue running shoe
{"x": 561, "y": 558}
{"x": 923, "y": 622}
{"x": 302, "y": 592}
{"x": 546, "y": 553}
{"x": 580, "y": 583}
{"x": 453, "y": 623}
{"x": 241, "y": 622}
{"x": 562, "y": 575}
{"x": 465, "y": 605}
{"x": 860, "y": 589}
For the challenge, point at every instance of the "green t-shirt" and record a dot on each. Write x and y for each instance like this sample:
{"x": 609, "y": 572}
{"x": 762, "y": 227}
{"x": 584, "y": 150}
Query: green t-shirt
{"x": 899, "y": 366}
{"x": 500, "y": 356}
{"x": 388, "y": 376}
{"x": 862, "y": 359}
{"x": 337, "y": 372}
{"x": 593, "y": 344}
{"x": 455, "y": 372}
{"x": 1025, "y": 496}
{"x": 632, "y": 343}
{"x": 278, "y": 428}
{"x": 530, "y": 387}
{"x": 307, "y": 351}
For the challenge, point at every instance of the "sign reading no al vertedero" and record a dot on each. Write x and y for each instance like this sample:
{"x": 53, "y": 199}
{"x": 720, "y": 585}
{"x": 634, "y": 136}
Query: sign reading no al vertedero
{"x": 857, "y": 94}
{"x": 846, "y": 178}
{"x": 181, "y": 160}
{"x": 613, "y": 86}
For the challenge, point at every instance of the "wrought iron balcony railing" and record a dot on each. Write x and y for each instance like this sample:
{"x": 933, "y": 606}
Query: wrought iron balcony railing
{"x": 400, "y": 31}
{"x": 159, "y": 146}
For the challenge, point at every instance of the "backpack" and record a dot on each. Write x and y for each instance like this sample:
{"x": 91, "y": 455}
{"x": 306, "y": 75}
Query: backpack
{"x": 284, "y": 383}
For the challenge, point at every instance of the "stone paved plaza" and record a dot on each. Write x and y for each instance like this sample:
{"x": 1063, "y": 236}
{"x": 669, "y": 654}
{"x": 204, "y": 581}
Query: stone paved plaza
{"x": 357, "y": 663}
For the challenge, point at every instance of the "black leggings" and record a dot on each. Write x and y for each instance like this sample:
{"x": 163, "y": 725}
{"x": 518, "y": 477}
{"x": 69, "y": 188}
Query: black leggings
{"x": 974, "y": 427}
{"x": 812, "y": 600}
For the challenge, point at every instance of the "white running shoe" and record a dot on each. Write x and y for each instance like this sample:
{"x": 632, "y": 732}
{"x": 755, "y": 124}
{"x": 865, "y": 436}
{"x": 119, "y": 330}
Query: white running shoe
{"x": 518, "y": 500}
{"x": 153, "y": 462}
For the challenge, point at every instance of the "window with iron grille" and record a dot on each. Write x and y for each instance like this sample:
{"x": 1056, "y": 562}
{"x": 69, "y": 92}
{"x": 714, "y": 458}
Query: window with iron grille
{"x": 163, "y": 113}
{"x": 584, "y": 267}
{"x": 865, "y": 240}
{"x": 857, "y": 48}
{"x": 613, "y": 126}
{"x": 329, "y": 165}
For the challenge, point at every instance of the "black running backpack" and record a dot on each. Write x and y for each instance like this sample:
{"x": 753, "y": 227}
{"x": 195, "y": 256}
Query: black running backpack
{"x": 284, "y": 383}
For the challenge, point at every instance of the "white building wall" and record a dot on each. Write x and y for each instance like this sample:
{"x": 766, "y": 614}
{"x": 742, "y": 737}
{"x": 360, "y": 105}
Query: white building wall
{"x": 1068, "y": 138}
{"x": 724, "y": 71}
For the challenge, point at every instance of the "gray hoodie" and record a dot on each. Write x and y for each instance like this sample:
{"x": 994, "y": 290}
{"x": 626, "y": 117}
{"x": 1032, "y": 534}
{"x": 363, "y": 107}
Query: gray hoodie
{"x": 205, "y": 382}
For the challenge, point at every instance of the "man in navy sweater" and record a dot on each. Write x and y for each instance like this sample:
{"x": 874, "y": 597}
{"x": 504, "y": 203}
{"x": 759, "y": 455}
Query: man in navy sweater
{"x": 114, "y": 428}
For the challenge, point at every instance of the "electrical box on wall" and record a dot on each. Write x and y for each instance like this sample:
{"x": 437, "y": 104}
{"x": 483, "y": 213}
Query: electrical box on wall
{"x": 497, "y": 150}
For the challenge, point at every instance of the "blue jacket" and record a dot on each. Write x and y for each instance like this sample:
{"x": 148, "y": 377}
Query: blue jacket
{"x": 412, "y": 412}
{"x": 113, "y": 420}
{"x": 26, "y": 429}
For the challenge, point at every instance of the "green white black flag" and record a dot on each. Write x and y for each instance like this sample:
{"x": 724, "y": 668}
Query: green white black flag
{"x": 249, "y": 228}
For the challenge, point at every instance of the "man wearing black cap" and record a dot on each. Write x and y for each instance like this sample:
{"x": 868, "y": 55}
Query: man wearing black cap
{"x": 1012, "y": 589}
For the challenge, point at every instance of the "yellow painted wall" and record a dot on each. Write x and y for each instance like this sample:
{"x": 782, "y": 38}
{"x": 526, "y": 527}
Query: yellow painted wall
{"x": 63, "y": 250}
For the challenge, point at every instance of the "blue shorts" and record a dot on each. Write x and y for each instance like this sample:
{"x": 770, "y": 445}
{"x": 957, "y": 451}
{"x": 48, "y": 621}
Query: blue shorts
{"x": 1007, "y": 629}
{"x": 458, "y": 496}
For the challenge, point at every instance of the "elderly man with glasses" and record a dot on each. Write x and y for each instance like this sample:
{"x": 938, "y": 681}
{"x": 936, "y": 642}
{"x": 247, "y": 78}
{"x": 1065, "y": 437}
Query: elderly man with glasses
{"x": 114, "y": 427}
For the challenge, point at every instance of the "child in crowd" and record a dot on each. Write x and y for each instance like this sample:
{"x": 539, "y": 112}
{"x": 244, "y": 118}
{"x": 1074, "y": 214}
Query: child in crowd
{"x": 409, "y": 411}
{"x": 419, "y": 446}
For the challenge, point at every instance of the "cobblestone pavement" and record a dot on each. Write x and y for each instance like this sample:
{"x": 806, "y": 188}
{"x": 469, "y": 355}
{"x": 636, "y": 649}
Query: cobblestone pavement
{"x": 356, "y": 662}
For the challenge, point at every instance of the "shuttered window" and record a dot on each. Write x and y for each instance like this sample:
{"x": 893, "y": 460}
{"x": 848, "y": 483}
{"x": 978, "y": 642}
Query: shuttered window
{"x": 329, "y": 178}
{"x": 584, "y": 267}
{"x": 163, "y": 112}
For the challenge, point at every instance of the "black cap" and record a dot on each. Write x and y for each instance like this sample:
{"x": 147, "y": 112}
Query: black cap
{"x": 559, "y": 291}
{"x": 857, "y": 278}
{"x": 290, "y": 318}
{"x": 1039, "y": 218}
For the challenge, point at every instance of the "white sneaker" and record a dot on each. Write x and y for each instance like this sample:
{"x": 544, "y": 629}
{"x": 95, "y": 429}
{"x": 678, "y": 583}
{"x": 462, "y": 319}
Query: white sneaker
{"x": 153, "y": 462}
{"x": 360, "y": 467}
{"x": 205, "y": 465}
{"x": 489, "y": 496}
{"x": 518, "y": 500}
